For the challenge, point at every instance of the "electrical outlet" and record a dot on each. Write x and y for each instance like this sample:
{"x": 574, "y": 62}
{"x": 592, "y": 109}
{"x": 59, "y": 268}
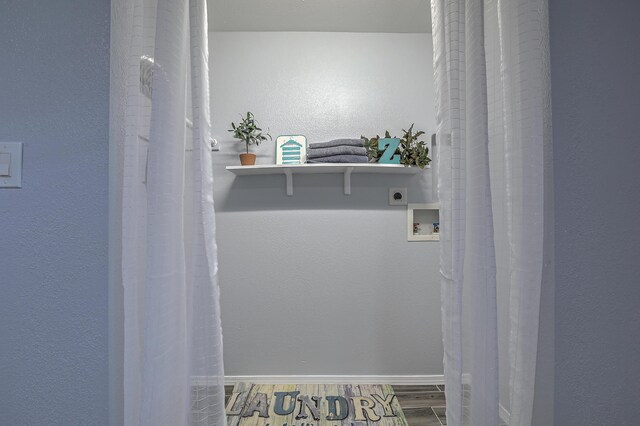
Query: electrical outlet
{"x": 397, "y": 196}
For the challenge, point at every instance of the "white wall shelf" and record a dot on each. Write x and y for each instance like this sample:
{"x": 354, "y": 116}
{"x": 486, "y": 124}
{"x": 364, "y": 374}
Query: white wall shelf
{"x": 346, "y": 169}
{"x": 426, "y": 214}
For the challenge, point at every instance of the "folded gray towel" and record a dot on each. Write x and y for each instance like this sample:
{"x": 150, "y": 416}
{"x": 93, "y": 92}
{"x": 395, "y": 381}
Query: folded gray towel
{"x": 336, "y": 150}
{"x": 340, "y": 159}
{"x": 337, "y": 142}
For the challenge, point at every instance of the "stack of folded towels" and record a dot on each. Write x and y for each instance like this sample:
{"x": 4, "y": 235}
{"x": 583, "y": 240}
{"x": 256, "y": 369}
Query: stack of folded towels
{"x": 337, "y": 151}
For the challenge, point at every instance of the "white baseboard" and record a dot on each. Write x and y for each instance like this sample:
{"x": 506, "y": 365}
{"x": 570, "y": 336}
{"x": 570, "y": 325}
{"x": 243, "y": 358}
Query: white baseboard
{"x": 437, "y": 379}
{"x": 504, "y": 414}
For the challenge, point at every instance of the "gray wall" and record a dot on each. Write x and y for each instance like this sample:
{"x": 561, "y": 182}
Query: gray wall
{"x": 595, "y": 58}
{"x": 54, "y": 94}
{"x": 323, "y": 283}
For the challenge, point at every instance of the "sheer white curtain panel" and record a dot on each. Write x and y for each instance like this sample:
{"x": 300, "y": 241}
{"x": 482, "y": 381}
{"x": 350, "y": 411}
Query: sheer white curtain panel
{"x": 492, "y": 99}
{"x": 173, "y": 370}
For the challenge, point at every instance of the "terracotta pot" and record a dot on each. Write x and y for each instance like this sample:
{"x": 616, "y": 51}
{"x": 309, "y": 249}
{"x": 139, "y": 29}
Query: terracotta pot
{"x": 247, "y": 159}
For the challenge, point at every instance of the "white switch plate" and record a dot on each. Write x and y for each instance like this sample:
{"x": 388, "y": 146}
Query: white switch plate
{"x": 397, "y": 196}
{"x": 14, "y": 180}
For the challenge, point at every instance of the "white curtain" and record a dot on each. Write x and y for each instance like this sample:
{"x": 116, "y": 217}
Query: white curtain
{"x": 492, "y": 89}
{"x": 173, "y": 372}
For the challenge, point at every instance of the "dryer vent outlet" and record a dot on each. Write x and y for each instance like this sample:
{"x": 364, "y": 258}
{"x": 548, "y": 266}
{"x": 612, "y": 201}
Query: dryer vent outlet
{"x": 397, "y": 196}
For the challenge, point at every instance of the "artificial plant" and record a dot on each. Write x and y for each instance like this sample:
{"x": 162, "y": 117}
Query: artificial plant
{"x": 247, "y": 131}
{"x": 412, "y": 151}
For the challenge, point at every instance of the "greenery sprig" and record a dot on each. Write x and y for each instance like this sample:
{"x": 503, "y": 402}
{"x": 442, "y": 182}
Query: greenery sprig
{"x": 412, "y": 151}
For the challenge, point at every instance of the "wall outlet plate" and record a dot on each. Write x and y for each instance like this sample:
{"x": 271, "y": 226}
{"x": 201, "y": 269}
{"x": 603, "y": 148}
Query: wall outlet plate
{"x": 397, "y": 196}
{"x": 11, "y": 164}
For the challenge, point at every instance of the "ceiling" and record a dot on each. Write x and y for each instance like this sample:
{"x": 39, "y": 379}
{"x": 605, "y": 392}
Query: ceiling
{"x": 392, "y": 16}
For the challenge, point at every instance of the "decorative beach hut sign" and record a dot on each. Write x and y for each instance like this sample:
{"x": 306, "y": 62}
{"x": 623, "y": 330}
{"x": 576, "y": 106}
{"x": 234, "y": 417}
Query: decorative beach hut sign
{"x": 313, "y": 405}
{"x": 291, "y": 149}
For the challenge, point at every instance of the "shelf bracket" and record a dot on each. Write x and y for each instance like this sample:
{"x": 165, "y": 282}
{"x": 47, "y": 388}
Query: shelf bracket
{"x": 289, "y": 174}
{"x": 347, "y": 180}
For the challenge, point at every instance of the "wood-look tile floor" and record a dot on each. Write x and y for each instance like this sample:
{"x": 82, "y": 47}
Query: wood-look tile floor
{"x": 422, "y": 405}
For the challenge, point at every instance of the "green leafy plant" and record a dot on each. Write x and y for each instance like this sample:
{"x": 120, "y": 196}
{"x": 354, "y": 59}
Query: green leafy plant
{"x": 247, "y": 131}
{"x": 412, "y": 151}
{"x": 371, "y": 145}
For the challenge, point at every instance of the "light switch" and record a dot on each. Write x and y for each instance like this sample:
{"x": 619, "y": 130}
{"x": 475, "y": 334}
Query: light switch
{"x": 5, "y": 165}
{"x": 10, "y": 165}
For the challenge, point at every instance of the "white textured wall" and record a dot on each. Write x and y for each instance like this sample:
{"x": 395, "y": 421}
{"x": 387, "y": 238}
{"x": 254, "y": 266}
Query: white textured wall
{"x": 323, "y": 283}
{"x": 595, "y": 57}
{"x": 54, "y": 97}
{"x": 410, "y": 16}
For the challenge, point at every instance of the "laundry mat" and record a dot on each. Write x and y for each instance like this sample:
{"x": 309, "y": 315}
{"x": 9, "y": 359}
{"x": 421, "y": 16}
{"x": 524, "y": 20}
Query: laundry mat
{"x": 313, "y": 405}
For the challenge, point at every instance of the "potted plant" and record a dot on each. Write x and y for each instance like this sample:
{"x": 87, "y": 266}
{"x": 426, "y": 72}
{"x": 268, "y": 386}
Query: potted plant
{"x": 247, "y": 131}
{"x": 412, "y": 151}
